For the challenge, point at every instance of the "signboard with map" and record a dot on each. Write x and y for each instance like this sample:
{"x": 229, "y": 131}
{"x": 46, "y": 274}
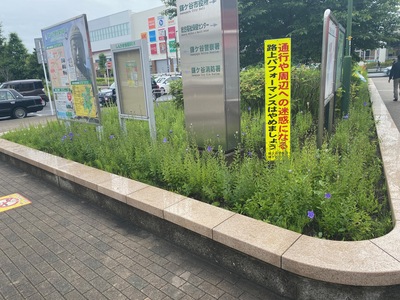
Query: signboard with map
{"x": 71, "y": 70}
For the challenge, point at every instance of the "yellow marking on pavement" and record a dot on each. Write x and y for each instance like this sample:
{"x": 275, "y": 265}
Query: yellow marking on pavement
{"x": 12, "y": 201}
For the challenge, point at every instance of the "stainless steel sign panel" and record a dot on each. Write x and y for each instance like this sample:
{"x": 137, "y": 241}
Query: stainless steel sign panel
{"x": 210, "y": 67}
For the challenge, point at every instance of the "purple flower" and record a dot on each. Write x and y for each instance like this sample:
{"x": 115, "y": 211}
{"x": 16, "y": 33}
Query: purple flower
{"x": 165, "y": 140}
{"x": 365, "y": 103}
{"x": 328, "y": 195}
{"x": 250, "y": 154}
{"x": 63, "y": 138}
{"x": 345, "y": 117}
{"x": 111, "y": 137}
{"x": 249, "y": 108}
{"x": 209, "y": 148}
{"x": 310, "y": 214}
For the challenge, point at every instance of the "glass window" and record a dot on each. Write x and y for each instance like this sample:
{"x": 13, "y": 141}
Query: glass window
{"x": 3, "y": 95}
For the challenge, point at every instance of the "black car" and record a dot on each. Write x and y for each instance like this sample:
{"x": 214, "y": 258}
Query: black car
{"x": 108, "y": 96}
{"x": 15, "y": 105}
{"x": 27, "y": 87}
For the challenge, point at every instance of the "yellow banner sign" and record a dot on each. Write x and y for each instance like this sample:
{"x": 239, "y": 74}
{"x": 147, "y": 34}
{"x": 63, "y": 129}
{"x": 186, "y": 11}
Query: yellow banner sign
{"x": 277, "y": 97}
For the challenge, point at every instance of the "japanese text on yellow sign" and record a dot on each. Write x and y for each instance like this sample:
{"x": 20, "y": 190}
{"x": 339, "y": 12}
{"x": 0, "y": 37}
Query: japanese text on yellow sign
{"x": 277, "y": 97}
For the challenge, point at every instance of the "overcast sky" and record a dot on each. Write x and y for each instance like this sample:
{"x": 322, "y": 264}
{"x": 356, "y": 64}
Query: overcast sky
{"x": 27, "y": 18}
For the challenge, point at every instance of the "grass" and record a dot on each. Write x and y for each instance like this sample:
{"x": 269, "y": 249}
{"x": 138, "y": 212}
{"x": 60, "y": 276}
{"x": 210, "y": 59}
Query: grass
{"x": 337, "y": 192}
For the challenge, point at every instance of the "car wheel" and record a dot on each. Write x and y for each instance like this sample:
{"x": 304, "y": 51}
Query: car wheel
{"x": 19, "y": 113}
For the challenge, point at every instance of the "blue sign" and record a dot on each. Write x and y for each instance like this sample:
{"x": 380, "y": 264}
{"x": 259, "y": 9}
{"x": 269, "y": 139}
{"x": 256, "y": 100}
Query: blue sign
{"x": 152, "y": 36}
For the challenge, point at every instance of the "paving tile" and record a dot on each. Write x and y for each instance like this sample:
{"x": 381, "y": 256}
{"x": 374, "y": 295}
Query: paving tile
{"x": 62, "y": 247}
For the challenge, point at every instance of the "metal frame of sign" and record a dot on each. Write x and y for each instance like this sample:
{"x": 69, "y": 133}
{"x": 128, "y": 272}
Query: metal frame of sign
{"x": 209, "y": 49}
{"x": 329, "y": 68}
{"x": 133, "y": 83}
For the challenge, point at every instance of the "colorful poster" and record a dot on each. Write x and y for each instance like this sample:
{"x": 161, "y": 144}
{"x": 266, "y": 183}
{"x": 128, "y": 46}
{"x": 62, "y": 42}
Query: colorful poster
{"x": 172, "y": 46}
{"x": 163, "y": 47}
{"x": 151, "y": 22}
{"x": 153, "y": 49}
{"x": 71, "y": 68}
{"x": 171, "y": 32}
{"x": 277, "y": 97}
{"x": 143, "y": 35}
{"x": 161, "y": 34}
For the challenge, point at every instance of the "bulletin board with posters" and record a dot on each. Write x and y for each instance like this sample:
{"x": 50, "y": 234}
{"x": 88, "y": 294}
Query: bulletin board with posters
{"x": 133, "y": 82}
{"x": 71, "y": 70}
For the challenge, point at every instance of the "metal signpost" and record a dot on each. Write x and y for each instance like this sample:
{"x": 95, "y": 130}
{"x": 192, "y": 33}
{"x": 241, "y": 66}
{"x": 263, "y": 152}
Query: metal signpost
{"x": 330, "y": 80}
{"x": 42, "y": 59}
{"x": 133, "y": 82}
{"x": 209, "y": 45}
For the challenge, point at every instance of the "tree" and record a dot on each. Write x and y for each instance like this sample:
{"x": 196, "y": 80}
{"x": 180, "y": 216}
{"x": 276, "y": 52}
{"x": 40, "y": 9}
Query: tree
{"x": 33, "y": 68}
{"x": 14, "y": 61}
{"x": 374, "y": 24}
{"x": 102, "y": 63}
{"x": 2, "y": 54}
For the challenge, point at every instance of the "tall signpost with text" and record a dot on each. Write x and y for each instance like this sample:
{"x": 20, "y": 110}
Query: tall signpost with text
{"x": 277, "y": 97}
{"x": 209, "y": 43}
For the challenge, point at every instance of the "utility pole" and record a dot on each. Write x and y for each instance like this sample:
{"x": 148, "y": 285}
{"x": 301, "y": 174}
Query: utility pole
{"x": 166, "y": 49}
{"x": 347, "y": 62}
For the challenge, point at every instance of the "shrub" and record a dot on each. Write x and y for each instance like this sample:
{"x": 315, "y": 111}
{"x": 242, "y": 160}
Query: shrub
{"x": 336, "y": 192}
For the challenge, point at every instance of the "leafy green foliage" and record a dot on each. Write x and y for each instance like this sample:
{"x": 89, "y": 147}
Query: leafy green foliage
{"x": 15, "y": 62}
{"x": 336, "y": 192}
{"x": 102, "y": 63}
{"x": 176, "y": 90}
{"x": 374, "y": 24}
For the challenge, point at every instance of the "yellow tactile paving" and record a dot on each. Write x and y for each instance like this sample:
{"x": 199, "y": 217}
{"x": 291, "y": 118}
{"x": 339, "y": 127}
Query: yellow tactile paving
{"x": 12, "y": 201}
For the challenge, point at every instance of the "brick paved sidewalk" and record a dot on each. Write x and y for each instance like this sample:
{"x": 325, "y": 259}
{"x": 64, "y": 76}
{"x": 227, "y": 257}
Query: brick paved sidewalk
{"x": 62, "y": 247}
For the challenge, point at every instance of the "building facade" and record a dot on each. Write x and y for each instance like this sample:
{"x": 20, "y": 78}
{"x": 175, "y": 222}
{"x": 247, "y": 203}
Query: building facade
{"x": 159, "y": 31}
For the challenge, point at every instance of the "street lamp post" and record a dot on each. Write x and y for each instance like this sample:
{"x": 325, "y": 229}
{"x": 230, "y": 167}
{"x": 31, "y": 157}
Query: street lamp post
{"x": 347, "y": 62}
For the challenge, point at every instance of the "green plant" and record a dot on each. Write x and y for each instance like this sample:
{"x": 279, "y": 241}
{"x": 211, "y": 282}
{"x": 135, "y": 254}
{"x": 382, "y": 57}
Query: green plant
{"x": 176, "y": 90}
{"x": 336, "y": 192}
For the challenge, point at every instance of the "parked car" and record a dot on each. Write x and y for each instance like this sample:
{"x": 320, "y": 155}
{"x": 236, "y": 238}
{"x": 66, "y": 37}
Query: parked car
{"x": 27, "y": 87}
{"x": 16, "y": 105}
{"x": 387, "y": 70}
{"x": 155, "y": 89}
{"x": 108, "y": 96}
{"x": 164, "y": 83}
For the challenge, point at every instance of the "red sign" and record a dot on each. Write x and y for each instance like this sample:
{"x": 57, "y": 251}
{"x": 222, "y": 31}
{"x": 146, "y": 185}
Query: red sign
{"x": 153, "y": 49}
{"x": 109, "y": 64}
{"x": 171, "y": 32}
{"x": 151, "y": 22}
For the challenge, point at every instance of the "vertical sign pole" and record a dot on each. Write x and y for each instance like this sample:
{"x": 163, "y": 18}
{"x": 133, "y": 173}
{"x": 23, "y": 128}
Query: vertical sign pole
{"x": 45, "y": 76}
